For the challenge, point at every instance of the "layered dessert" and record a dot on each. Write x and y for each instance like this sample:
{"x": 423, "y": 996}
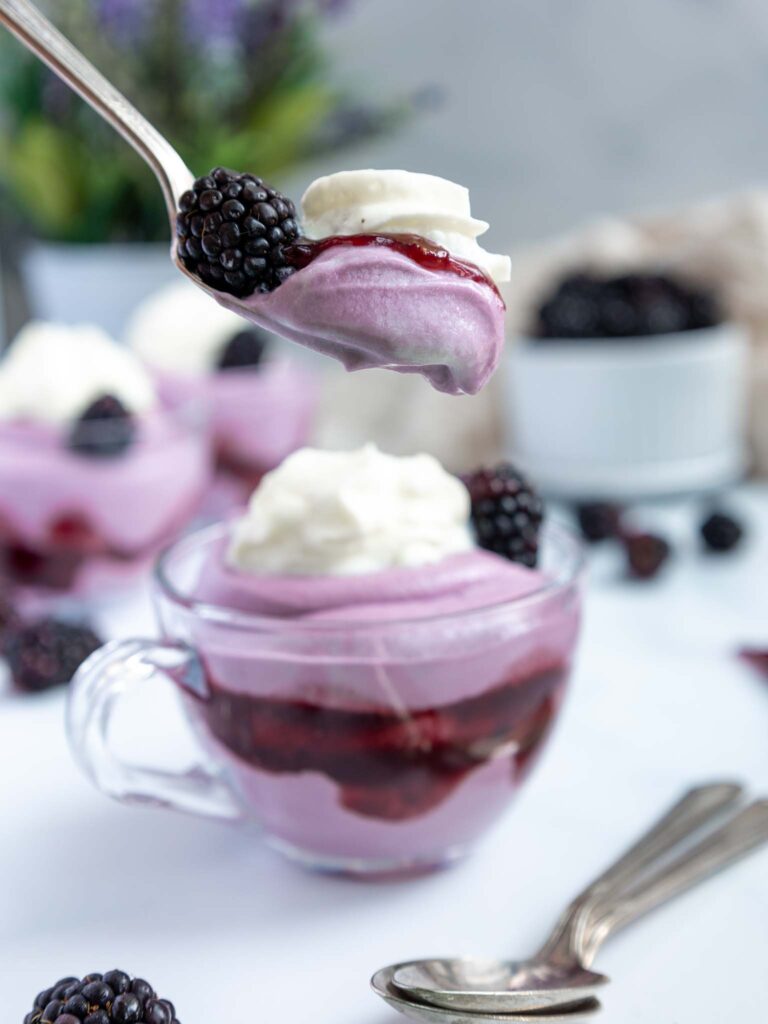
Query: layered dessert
{"x": 95, "y": 471}
{"x": 384, "y": 682}
{"x": 260, "y": 403}
{"x": 386, "y": 271}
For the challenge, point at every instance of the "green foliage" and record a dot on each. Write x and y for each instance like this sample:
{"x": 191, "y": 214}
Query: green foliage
{"x": 258, "y": 96}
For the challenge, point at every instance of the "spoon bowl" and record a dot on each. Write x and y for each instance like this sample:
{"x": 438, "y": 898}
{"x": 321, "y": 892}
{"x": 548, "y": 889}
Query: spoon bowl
{"x": 486, "y": 985}
{"x": 382, "y": 985}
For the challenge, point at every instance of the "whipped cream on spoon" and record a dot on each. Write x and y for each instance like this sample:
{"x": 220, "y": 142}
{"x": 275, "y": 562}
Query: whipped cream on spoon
{"x": 402, "y": 300}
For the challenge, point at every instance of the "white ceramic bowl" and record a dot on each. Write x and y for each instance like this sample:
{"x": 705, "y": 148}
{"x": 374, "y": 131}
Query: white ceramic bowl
{"x": 629, "y": 418}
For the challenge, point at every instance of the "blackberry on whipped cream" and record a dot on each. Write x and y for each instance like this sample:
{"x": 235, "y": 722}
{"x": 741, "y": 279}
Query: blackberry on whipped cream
{"x": 53, "y": 373}
{"x": 260, "y": 401}
{"x": 178, "y": 330}
{"x": 96, "y": 471}
{"x": 389, "y": 273}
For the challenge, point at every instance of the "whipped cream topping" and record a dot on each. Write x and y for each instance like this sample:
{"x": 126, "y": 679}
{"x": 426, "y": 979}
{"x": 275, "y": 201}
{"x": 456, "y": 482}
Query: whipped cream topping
{"x": 53, "y": 372}
{"x": 400, "y": 202}
{"x": 346, "y": 513}
{"x": 179, "y": 330}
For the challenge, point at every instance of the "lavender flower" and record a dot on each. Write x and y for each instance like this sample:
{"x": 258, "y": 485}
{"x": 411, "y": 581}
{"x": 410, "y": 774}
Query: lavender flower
{"x": 125, "y": 20}
{"x": 214, "y": 21}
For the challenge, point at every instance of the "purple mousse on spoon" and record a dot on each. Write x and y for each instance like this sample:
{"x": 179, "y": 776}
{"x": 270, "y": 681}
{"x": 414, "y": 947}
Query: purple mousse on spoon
{"x": 414, "y": 292}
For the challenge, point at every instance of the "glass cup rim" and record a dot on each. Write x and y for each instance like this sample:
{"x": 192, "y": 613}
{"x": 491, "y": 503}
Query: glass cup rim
{"x": 225, "y": 616}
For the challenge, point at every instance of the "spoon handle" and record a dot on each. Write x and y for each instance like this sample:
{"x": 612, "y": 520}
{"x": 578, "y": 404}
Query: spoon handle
{"x": 690, "y": 813}
{"x": 34, "y": 30}
{"x": 745, "y": 832}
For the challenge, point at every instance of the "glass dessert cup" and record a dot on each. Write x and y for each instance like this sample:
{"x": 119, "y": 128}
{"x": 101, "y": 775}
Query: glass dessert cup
{"x": 256, "y": 417}
{"x": 78, "y": 525}
{"x": 371, "y": 748}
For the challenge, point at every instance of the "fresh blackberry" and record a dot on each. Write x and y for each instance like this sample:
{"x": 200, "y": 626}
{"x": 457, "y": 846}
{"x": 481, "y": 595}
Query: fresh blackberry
{"x": 627, "y": 305}
{"x": 104, "y": 430}
{"x": 47, "y": 653}
{"x": 598, "y": 521}
{"x": 756, "y": 657}
{"x": 646, "y": 554}
{"x": 721, "y": 532}
{"x": 506, "y": 513}
{"x": 244, "y": 350}
{"x": 232, "y": 230}
{"x": 114, "y": 998}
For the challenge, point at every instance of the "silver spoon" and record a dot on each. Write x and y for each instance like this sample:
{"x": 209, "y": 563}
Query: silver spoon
{"x": 381, "y": 983}
{"x": 560, "y": 973}
{"x": 43, "y": 39}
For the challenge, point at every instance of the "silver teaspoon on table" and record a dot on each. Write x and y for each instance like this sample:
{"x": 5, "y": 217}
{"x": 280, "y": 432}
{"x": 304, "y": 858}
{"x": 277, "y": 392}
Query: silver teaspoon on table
{"x": 559, "y": 974}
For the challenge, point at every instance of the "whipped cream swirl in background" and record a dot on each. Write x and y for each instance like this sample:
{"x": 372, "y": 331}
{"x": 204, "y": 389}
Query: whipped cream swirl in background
{"x": 400, "y": 202}
{"x": 53, "y": 372}
{"x": 179, "y": 330}
{"x": 346, "y": 513}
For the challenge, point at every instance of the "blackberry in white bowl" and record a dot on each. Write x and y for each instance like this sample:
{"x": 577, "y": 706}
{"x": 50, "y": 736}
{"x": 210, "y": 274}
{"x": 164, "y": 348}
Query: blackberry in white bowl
{"x": 627, "y": 386}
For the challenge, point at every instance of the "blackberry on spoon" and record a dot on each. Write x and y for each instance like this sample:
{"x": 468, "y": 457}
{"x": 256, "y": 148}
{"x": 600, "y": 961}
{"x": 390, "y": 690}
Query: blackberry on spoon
{"x": 232, "y": 230}
{"x": 507, "y": 513}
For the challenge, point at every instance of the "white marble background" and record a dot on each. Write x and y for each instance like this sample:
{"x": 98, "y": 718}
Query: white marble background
{"x": 557, "y": 110}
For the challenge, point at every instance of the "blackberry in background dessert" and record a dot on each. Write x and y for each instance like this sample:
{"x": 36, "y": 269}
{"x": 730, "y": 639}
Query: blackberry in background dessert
{"x": 646, "y": 554}
{"x": 598, "y": 521}
{"x": 721, "y": 532}
{"x": 104, "y": 430}
{"x": 9, "y": 619}
{"x": 628, "y": 305}
{"x": 244, "y": 351}
{"x": 232, "y": 229}
{"x": 47, "y": 653}
{"x": 506, "y": 513}
{"x": 111, "y": 998}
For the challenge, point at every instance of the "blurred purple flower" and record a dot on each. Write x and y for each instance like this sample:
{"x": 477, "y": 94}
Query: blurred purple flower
{"x": 215, "y": 20}
{"x": 124, "y": 19}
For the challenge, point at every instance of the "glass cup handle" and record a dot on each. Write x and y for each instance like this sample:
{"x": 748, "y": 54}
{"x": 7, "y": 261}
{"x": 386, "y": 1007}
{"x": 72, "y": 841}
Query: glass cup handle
{"x": 94, "y": 696}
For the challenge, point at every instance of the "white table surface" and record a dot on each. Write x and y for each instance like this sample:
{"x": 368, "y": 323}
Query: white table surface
{"x": 232, "y": 933}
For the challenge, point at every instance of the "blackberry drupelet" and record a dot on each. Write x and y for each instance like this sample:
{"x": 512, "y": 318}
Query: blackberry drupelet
{"x": 114, "y": 998}
{"x": 232, "y": 230}
{"x": 598, "y": 521}
{"x": 721, "y": 532}
{"x": 47, "y": 653}
{"x": 646, "y": 554}
{"x": 244, "y": 351}
{"x": 104, "y": 430}
{"x": 506, "y": 513}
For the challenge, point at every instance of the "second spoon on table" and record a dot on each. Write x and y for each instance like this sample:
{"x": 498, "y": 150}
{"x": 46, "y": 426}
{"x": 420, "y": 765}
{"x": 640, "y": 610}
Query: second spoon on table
{"x": 560, "y": 972}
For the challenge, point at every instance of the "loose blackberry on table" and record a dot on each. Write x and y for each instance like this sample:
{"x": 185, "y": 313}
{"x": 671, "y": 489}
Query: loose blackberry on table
{"x": 507, "y": 513}
{"x": 721, "y": 532}
{"x": 47, "y": 653}
{"x": 232, "y": 232}
{"x": 112, "y": 998}
{"x": 599, "y": 521}
{"x": 646, "y": 554}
